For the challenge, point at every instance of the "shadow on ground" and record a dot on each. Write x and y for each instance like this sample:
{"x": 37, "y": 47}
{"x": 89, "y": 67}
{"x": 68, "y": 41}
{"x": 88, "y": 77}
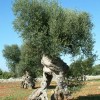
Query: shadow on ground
{"x": 52, "y": 87}
{"x": 89, "y": 97}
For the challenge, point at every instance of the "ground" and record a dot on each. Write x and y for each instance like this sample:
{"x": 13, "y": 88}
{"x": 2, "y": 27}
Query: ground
{"x": 12, "y": 91}
{"x": 90, "y": 91}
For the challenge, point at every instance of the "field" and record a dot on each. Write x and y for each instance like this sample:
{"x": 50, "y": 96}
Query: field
{"x": 12, "y": 91}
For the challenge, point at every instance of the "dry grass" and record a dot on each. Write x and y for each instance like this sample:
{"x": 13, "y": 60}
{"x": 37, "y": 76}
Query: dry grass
{"x": 12, "y": 91}
{"x": 90, "y": 91}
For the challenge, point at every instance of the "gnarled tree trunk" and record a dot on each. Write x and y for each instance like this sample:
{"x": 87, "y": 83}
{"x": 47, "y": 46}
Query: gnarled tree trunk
{"x": 52, "y": 67}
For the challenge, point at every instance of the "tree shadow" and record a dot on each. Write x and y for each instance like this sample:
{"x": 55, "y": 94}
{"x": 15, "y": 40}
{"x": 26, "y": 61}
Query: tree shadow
{"x": 52, "y": 87}
{"x": 36, "y": 87}
{"x": 89, "y": 97}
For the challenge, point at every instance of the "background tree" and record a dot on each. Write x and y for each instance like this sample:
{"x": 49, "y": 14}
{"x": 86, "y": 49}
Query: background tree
{"x": 12, "y": 55}
{"x": 82, "y": 67}
{"x": 53, "y": 30}
{"x": 87, "y": 65}
{"x": 76, "y": 68}
{"x": 1, "y": 73}
{"x": 96, "y": 70}
{"x": 5, "y": 75}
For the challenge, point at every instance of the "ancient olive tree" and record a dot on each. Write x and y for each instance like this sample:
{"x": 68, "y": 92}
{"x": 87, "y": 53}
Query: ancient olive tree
{"x": 53, "y": 31}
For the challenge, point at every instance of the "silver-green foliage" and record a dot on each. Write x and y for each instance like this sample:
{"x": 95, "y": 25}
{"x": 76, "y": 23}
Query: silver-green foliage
{"x": 52, "y": 29}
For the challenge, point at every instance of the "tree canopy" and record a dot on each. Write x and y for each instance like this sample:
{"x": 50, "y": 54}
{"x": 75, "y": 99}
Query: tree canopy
{"x": 51, "y": 29}
{"x": 29, "y": 60}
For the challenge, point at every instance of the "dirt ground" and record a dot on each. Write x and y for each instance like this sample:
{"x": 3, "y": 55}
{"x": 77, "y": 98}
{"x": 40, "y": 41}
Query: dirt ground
{"x": 12, "y": 91}
{"x": 90, "y": 91}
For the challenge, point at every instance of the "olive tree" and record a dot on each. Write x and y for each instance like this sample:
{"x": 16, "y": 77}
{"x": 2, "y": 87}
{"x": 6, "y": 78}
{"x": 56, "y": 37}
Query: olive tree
{"x": 52, "y": 30}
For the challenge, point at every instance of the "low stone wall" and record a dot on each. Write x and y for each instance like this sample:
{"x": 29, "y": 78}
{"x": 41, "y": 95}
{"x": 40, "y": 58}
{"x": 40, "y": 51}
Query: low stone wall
{"x": 40, "y": 79}
{"x": 10, "y": 80}
{"x": 92, "y": 77}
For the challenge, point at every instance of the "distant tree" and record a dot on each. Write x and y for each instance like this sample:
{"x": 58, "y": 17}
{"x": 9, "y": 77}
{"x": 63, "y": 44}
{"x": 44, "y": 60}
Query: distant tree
{"x": 51, "y": 29}
{"x": 12, "y": 55}
{"x": 5, "y": 75}
{"x": 82, "y": 67}
{"x": 87, "y": 65}
{"x": 76, "y": 68}
{"x": 96, "y": 70}
{"x": 0, "y": 72}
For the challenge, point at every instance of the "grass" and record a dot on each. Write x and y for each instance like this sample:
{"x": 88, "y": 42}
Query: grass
{"x": 90, "y": 90}
{"x": 12, "y": 91}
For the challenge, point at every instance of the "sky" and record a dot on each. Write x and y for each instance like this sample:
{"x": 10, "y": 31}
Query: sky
{"x": 9, "y": 36}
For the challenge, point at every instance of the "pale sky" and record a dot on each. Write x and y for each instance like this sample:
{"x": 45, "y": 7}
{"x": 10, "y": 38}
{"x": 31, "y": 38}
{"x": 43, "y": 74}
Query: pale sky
{"x": 8, "y": 36}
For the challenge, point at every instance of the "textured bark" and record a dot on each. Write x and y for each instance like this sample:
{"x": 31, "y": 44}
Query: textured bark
{"x": 52, "y": 67}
